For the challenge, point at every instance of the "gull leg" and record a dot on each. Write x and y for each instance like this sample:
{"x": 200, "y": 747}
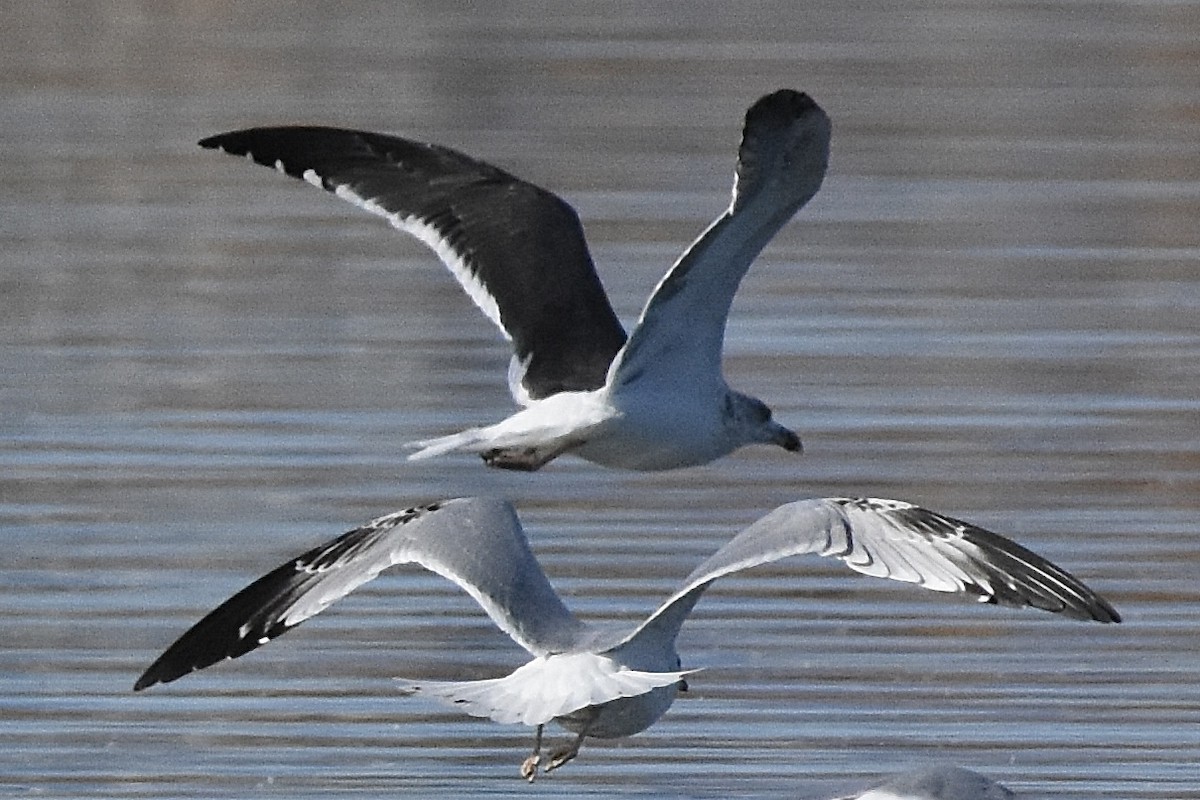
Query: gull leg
{"x": 565, "y": 754}
{"x": 529, "y": 766}
{"x": 531, "y": 458}
{"x": 521, "y": 459}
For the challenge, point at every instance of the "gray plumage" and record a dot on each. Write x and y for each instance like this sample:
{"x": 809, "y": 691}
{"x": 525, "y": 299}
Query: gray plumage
{"x": 599, "y": 683}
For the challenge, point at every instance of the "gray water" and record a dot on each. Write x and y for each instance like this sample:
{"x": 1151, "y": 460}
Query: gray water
{"x": 990, "y": 309}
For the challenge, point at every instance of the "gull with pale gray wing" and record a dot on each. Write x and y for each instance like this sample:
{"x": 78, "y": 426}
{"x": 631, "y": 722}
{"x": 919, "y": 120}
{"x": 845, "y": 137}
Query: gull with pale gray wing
{"x": 657, "y": 400}
{"x": 936, "y": 783}
{"x": 594, "y": 682}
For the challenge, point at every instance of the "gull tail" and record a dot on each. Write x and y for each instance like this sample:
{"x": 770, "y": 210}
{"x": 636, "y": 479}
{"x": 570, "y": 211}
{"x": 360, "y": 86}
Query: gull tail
{"x": 472, "y": 439}
{"x": 545, "y": 688}
{"x": 504, "y": 446}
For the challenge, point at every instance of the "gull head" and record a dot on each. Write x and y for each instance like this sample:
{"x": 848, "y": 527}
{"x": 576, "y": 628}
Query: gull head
{"x": 752, "y": 422}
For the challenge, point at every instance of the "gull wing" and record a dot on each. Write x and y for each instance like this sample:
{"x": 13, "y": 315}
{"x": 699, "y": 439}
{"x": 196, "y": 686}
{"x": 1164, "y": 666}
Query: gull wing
{"x": 781, "y": 163}
{"x": 476, "y": 543}
{"x": 518, "y": 250}
{"x": 891, "y": 539}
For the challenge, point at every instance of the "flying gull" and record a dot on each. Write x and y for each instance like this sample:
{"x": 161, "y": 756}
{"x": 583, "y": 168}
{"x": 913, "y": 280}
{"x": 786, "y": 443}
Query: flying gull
{"x": 657, "y": 400}
{"x": 592, "y": 682}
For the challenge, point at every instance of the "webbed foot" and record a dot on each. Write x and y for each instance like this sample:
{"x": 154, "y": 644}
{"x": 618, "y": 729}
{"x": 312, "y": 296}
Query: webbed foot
{"x": 529, "y": 766}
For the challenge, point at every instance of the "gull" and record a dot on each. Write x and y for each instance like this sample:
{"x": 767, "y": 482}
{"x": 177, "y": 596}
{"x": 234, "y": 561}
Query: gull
{"x": 936, "y": 783}
{"x": 603, "y": 683}
{"x": 653, "y": 401}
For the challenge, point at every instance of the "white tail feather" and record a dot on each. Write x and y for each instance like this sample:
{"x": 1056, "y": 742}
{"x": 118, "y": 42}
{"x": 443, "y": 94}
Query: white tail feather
{"x": 470, "y": 439}
{"x": 545, "y": 688}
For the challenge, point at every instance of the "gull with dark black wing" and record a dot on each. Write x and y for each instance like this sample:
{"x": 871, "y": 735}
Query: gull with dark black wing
{"x": 657, "y": 400}
{"x": 597, "y": 683}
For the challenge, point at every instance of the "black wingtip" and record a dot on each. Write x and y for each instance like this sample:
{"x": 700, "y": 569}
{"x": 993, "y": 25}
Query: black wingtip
{"x": 236, "y": 143}
{"x": 167, "y": 668}
{"x": 156, "y": 673}
{"x": 171, "y": 666}
{"x": 785, "y": 103}
{"x": 153, "y": 674}
{"x": 1105, "y": 612}
{"x": 1017, "y": 577}
{"x": 241, "y": 142}
{"x": 259, "y": 613}
{"x": 1090, "y": 608}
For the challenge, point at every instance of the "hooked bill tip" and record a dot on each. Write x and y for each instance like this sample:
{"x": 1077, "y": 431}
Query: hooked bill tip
{"x": 791, "y": 442}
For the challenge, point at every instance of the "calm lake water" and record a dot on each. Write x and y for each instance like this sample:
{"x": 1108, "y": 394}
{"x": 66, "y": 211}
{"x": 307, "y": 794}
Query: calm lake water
{"x": 990, "y": 309}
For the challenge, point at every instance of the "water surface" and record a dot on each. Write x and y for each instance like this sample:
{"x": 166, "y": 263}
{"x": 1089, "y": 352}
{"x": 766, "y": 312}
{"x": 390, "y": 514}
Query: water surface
{"x": 990, "y": 309}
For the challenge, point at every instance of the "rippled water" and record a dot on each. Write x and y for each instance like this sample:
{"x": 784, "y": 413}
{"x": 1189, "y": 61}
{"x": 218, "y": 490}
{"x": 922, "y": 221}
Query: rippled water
{"x": 990, "y": 309}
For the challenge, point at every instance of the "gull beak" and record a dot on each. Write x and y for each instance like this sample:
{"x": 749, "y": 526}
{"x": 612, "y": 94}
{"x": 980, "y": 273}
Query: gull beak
{"x": 787, "y": 439}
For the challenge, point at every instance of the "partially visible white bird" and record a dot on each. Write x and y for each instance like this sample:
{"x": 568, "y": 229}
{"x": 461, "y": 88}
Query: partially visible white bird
{"x": 657, "y": 401}
{"x": 936, "y": 783}
{"x": 592, "y": 682}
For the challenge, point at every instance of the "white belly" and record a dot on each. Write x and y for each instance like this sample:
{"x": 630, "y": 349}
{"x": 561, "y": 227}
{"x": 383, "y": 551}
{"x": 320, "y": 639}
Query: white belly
{"x": 654, "y": 433}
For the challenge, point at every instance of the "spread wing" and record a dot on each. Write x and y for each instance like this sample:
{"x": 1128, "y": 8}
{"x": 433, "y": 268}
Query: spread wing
{"x": 897, "y": 540}
{"x": 518, "y": 250}
{"x": 476, "y": 543}
{"x": 781, "y": 163}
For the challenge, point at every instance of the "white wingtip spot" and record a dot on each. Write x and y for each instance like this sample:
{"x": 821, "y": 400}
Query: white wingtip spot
{"x": 310, "y": 176}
